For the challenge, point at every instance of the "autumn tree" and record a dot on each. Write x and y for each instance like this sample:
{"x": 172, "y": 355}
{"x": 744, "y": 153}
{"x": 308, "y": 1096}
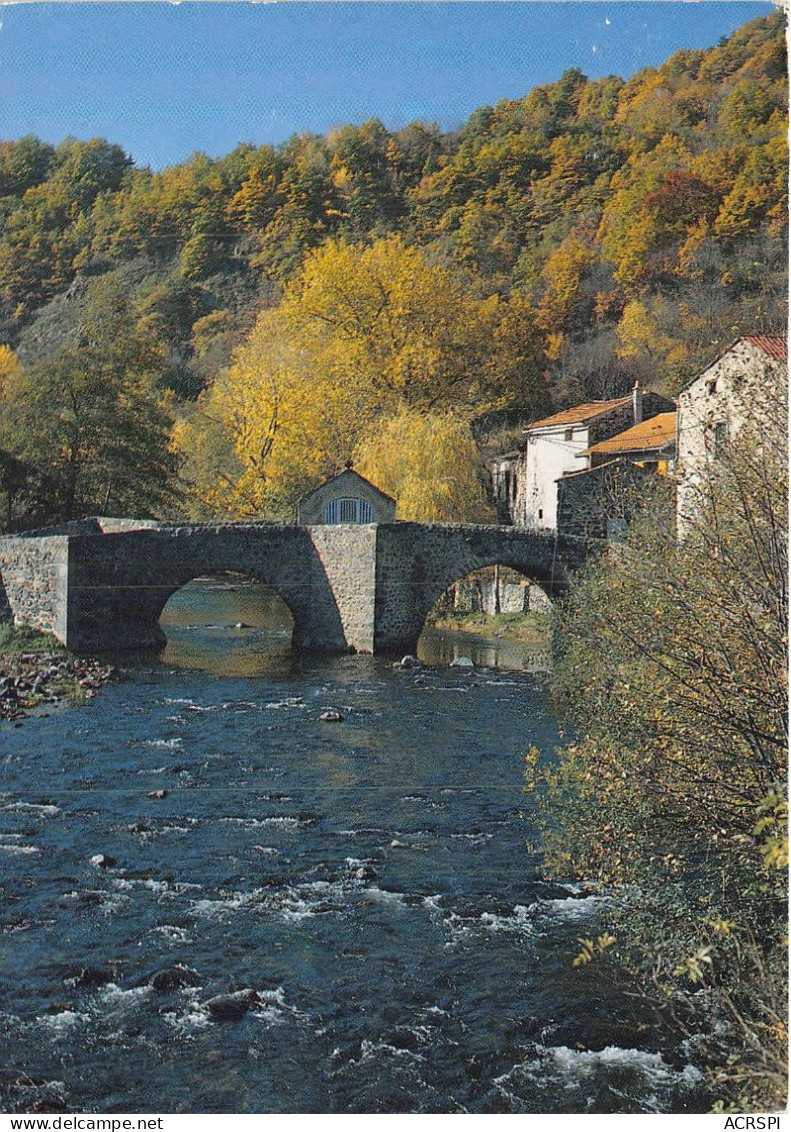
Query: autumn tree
{"x": 91, "y": 421}
{"x": 429, "y": 463}
{"x": 672, "y": 668}
{"x": 410, "y": 329}
{"x": 362, "y": 334}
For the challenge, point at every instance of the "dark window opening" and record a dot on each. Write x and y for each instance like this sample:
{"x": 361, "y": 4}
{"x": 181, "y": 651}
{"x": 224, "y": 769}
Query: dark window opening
{"x": 348, "y": 511}
{"x": 720, "y": 439}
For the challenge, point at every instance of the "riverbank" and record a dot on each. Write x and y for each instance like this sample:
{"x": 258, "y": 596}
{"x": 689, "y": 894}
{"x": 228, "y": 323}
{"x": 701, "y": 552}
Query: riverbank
{"x": 36, "y": 672}
{"x": 529, "y": 628}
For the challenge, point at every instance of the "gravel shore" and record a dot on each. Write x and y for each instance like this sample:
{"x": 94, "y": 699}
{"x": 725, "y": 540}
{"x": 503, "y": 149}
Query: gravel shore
{"x": 31, "y": 681}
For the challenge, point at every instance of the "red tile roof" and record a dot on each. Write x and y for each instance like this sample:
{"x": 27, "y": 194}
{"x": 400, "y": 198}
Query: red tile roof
{"x": 579, "y": 414}
{"x": 772, "y": 345}
{"x": 656, "y": 432}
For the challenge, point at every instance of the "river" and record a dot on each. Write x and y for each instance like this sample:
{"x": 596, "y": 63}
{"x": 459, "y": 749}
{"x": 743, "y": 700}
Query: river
{"x": 371, "y": 879}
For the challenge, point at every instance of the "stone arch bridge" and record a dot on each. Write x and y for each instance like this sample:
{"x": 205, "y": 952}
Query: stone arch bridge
{"x": 101, "y": 584}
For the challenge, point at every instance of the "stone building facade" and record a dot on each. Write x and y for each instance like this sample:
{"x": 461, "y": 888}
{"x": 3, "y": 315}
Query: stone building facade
{"x": 746, "y": 385}
{"x": 557, "y": 445}
{"x": 598, "y": 504}
{"x": 347, "y": 498}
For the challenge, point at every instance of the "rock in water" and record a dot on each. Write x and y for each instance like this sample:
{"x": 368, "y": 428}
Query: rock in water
{"x": 102, "y": 861}
{"x": 462, "y": 662}
{"x": 94, "y": 977}
{"x": 410, "y": 661}
{"x": 232, "y": 1007}
{"x": 174, "y": 978}
{"x": 331, "y": 717}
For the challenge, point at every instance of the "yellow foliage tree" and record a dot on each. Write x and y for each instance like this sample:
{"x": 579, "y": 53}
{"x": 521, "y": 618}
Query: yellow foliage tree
{"x": 9, "y": 366}
{"x": 428, "y": 462}
{"x": 563, "y": 303}
{"x": 640, "y": 333}
{"x": 269, "y": 427}
{"x": 384, "y": 315}
{"x": 361, "y": 335}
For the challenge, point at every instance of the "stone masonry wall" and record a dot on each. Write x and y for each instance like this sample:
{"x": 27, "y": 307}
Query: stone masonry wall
{"x": 34, "y": 575}
{"x": 348, "y": 557}
{"x": 362, "y": 588}
{"x": 120, "y": 582}
{"x": 416, "y": 563}
{"x": 743, "y": 387}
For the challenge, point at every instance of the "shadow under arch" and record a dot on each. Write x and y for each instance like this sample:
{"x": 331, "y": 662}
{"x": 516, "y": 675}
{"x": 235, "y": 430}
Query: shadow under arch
{"x": 227, "y": 624}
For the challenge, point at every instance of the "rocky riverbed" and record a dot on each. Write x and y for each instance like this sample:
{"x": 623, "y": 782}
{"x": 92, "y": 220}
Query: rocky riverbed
{"x": 33, "y": 681}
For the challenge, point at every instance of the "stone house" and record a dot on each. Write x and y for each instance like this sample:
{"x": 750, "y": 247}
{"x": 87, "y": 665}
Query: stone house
{"x": 746, "y": 384}
{"x": 558, "y": 445}
{"x": 651, "y": 444}
{"x": 346, "y": 498}
{"x": 599, "y": 503}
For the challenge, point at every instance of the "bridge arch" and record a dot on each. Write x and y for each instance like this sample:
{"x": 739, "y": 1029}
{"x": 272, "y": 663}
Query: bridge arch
{"x": 227, "y": 624}
{"x": 498, "y": 589}
{"x": 123, "y": 582}
{"x": 437, "y": 556}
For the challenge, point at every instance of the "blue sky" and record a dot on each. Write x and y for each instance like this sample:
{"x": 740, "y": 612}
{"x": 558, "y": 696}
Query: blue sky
{"x": 163, "y": 80}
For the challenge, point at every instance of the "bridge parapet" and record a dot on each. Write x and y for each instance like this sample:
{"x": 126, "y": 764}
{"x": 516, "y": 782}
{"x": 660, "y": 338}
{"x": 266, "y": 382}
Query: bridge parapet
{"x": 365, "y": 588}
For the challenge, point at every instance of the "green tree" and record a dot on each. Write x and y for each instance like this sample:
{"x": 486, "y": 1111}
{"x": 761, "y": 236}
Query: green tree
{"x": 23, "y": 164}
{"x": 92, "y": 422}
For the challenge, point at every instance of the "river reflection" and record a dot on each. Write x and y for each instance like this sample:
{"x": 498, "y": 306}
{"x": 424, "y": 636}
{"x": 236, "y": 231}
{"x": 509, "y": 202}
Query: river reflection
{"x": 249, "y": 627}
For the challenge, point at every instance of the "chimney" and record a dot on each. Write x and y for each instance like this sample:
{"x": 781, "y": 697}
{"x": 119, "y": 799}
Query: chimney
{"x": 637, "y": 403}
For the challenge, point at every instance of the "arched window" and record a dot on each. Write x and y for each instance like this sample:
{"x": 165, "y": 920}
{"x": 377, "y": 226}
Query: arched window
{"x": 348, "y": 511}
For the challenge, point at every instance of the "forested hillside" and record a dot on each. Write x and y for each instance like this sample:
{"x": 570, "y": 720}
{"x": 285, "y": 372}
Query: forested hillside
{"x": 344, "y": 295}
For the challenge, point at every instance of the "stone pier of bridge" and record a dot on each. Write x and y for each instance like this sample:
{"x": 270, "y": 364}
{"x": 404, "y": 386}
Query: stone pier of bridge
{"x": 101, "y": 584}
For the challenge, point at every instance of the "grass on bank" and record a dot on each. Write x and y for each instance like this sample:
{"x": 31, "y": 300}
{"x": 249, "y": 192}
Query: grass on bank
{"x": 528, "y": 628}
{"x": 16, "y": 639}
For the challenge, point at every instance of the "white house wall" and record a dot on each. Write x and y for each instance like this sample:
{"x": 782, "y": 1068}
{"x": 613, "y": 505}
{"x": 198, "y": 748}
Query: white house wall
{"x": 549, "y": 456}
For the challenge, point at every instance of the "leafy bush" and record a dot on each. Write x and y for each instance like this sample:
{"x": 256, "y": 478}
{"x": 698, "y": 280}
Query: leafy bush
{"x": 672, "y": 666}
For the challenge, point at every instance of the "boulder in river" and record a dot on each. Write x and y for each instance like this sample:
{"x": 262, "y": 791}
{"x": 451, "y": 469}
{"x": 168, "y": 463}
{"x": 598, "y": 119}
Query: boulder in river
{"x": 462, "y": 662}
{"x": 102, "y": 861}
{"x": 174, "y": 978}
{"x": 94, "y": 977}
{"x": 409, "y": 661}
{"x": 331, "y": 716}
{"x": 232, "y": 1007}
